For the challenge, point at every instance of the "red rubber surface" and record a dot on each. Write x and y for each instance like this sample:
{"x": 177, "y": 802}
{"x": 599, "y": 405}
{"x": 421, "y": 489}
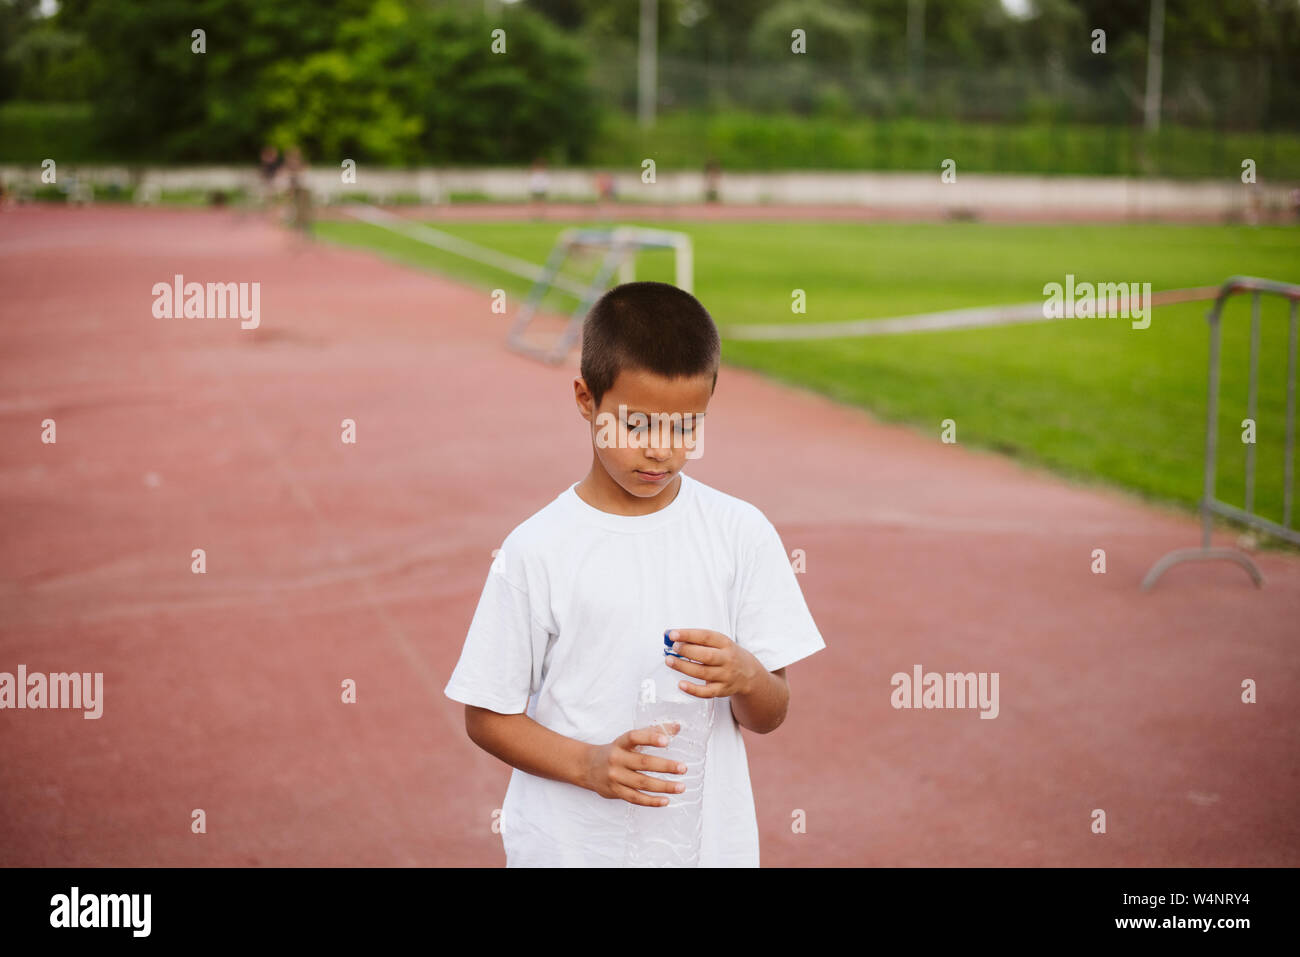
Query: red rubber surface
{"x": 328, "y": 561}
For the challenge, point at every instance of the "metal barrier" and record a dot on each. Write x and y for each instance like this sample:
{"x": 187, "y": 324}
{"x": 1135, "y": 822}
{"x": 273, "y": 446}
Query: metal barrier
{"x": 1211, "y": 506}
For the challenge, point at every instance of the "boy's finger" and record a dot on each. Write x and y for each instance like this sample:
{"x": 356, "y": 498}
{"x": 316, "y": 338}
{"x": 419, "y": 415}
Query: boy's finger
{"x": 636, "y": 797}
{"x": 648, "y": 762}
{"x": 653, "y": 736}
{"x": 691, "y": 668}
{"x": 697, "y": 636}
{"x": 704, "y": 654}
{"x": 713, "y": 689}
{"x": 643, "y": 782}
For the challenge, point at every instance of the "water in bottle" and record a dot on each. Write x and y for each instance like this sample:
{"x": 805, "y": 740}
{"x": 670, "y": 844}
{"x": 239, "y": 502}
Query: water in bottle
{"x": 669, "y": 836}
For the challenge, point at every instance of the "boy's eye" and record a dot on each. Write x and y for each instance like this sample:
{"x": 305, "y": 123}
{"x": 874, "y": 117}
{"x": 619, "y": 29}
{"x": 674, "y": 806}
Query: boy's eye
{"x": 678, "y": 427}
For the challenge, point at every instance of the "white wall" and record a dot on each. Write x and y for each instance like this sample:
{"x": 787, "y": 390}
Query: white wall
{"x": 981, "y": 194}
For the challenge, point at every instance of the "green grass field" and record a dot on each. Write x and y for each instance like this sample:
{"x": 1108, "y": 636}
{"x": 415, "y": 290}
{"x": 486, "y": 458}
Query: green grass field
{"x": 1092, "y": 399}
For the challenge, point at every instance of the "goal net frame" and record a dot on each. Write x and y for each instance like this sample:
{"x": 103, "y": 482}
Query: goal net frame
{"x": 617, "y": 247}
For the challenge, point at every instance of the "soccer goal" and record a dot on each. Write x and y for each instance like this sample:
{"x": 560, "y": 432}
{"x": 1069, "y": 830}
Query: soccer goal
{"x": 615, "y": 250}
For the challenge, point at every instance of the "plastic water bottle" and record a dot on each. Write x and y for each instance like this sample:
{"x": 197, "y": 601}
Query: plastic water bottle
{"x": 669, "y": 835}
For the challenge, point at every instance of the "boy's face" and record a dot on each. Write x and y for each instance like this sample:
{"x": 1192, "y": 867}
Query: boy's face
{"x": 646, "y": 427}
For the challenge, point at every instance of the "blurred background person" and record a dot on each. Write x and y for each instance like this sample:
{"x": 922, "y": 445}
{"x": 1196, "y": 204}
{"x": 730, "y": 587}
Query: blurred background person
{"x": 300, "y": 204}
{"x": 712, "y": 180}
{"x": 268, "y": 168}
{"x": 606, "y": 195}
{"x": 539, "y": 184}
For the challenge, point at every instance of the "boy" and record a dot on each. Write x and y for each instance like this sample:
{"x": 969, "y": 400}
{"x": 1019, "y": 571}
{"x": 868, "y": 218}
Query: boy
{"x": 580, "y": 595}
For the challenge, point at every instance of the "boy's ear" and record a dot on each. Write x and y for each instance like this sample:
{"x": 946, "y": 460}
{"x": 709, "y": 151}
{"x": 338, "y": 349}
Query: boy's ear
{"x": 582, "y": 395}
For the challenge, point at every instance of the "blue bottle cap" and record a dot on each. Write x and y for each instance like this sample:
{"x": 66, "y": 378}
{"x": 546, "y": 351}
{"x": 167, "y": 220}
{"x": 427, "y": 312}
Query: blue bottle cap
{"x": 668, "y": 648}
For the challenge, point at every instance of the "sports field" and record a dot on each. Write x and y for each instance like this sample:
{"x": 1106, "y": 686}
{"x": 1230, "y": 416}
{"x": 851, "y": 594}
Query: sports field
{"x": 1094, "y": 399}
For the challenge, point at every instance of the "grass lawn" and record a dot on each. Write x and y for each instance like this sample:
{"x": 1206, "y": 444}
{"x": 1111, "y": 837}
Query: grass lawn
{"x": 1093, "y": 399}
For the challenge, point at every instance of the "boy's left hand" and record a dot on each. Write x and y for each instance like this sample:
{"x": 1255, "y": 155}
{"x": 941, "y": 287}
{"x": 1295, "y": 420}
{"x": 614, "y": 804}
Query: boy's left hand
{"x": 728, "y": 668}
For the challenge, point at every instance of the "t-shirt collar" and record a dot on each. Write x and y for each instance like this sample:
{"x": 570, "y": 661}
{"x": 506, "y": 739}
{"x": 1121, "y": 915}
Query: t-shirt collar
{"x": 633, "y": 523}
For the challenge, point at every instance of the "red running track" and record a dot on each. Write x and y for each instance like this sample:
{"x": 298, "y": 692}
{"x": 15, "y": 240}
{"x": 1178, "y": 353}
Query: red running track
{"x": 328, "y": 561}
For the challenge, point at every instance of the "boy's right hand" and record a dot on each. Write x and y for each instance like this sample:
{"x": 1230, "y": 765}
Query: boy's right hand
{"x": 614, "y": 770}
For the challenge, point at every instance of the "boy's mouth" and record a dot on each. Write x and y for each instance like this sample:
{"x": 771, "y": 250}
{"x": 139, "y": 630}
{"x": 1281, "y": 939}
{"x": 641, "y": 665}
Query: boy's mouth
{"x": 652, "y": 476}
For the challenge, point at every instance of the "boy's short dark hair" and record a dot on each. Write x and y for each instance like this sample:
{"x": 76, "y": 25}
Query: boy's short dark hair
{"x": 653, "y": 326}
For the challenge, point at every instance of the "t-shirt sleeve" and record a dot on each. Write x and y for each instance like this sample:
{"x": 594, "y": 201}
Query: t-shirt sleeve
{"x": 774, "y": 622}
{"x": 499, "y": 665}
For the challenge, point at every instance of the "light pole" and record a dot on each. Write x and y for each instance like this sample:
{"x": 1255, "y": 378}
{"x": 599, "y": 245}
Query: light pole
{"x": 646, "y": 73}
{"x": 1155, "y": 63}
{"x": 915, "y": 42}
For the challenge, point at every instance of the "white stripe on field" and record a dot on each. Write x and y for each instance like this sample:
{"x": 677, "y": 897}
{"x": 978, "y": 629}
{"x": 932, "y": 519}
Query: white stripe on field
{"x": 977, "y": 318}
{"x": 460, "y": 247}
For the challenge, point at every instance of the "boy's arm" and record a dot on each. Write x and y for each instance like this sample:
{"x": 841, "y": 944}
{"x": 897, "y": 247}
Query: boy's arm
{"x": 763, "y": 709}
{"x": 522, "y": 743}
{"x": 613, "y": 770}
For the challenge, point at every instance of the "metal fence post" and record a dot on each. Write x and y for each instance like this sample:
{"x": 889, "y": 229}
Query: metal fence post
{"x": 1210, "y": 504}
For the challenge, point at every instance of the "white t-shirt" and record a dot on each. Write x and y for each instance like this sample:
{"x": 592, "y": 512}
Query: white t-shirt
{"x": 572, "y": 618}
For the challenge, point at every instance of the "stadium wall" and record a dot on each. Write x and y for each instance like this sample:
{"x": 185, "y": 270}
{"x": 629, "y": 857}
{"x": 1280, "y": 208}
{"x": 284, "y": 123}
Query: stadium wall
{"x": 975, "y": 195}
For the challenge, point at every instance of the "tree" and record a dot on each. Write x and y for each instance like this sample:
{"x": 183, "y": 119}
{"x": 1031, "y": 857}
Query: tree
{"x": 384, "y": 81}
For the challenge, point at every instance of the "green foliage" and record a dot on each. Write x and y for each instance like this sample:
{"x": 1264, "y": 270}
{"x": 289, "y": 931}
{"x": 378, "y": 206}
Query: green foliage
{"x": 840, "y": 34}
{"x": 406, "y": 82}
{"x": 748, "y": 141}
{"x": 740, "y": 141}
{"x": 390, "y": 82}
{"x": 29, "y": 132}
{"x": 1228, "y": 63}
